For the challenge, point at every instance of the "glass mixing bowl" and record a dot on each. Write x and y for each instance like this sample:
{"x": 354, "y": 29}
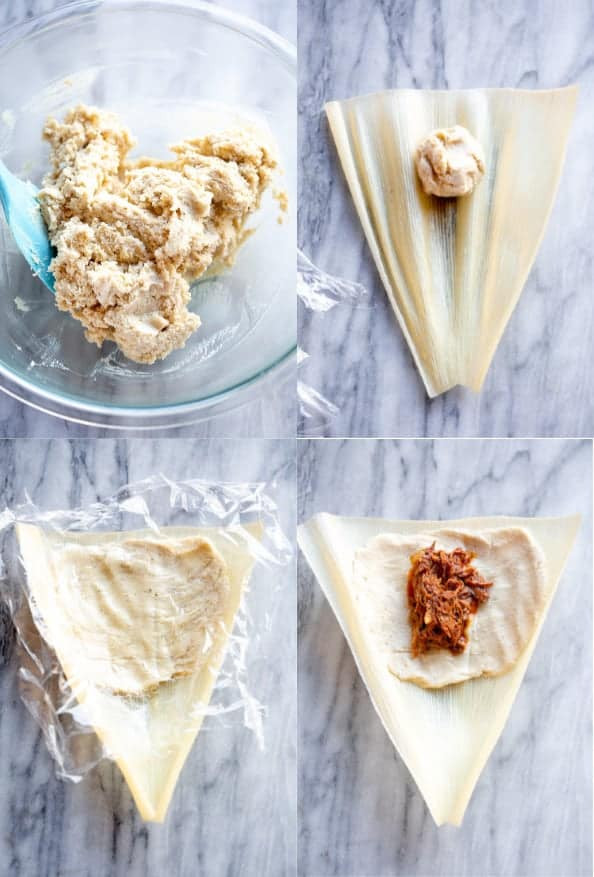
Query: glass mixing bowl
{"x": 171, "y": 70}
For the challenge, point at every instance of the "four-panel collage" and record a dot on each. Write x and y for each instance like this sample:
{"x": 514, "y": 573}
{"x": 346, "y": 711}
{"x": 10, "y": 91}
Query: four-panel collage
{"x": 296, "y": 438}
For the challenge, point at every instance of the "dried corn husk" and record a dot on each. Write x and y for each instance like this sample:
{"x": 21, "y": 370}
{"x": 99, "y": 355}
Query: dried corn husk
{"x": 454, "y": 268}
{"x": 445, "y": 735}
{"x": 151, "y": 736}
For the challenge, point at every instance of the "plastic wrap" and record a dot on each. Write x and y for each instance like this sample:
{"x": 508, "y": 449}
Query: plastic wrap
{"x": 320, "y": 292}
{"x": 121, "y": 655}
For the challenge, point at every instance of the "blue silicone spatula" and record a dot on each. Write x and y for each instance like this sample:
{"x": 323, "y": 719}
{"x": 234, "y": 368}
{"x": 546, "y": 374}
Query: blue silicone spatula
{"x": 21, "y": 208}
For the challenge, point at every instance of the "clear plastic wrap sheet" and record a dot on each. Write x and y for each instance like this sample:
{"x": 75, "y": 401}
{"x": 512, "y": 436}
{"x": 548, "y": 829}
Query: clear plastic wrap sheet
{"x": 320, "y": 292}
{"x": 174, "y": 640}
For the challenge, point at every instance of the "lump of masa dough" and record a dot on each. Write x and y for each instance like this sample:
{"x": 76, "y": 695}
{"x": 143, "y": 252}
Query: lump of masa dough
{"x": 132, "y": 235}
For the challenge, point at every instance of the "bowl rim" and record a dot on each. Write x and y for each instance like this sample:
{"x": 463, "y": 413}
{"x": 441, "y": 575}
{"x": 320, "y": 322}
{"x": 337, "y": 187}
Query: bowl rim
{"x": 183, "y": 414}
{"x": 90, "y": 413}
{"x": 229, "y": 18}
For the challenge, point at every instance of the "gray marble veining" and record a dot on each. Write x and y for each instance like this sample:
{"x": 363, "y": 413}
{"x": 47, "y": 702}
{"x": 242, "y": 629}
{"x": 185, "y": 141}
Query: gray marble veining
{"x": 540, "y": 382}
{"x": 273, "y": 414}
{"x": 234, "y": 809}
{"x": 531, "y": 813}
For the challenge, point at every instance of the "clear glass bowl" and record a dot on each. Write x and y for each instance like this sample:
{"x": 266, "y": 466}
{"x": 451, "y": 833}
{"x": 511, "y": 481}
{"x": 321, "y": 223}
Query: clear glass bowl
{"x": 171, "y": 71}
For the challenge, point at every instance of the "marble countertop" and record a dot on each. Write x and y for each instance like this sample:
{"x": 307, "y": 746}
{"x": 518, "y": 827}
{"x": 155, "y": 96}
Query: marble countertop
{"x": 540, "y": 382}
{"x": 531, "y": 812}
{"x": 271, "y": 416}
{"x": 233, "y": 811}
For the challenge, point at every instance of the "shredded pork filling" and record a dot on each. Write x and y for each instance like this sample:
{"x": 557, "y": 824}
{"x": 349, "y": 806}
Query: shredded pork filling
{"x": 444, "y": 591}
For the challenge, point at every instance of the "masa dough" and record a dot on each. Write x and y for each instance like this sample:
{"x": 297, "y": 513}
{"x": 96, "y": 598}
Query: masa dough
{"x": 131, "y": 235}
{"x": 501, "y": 628}
{"x": 450, "y": 162}
{"x": 129, "y": 614}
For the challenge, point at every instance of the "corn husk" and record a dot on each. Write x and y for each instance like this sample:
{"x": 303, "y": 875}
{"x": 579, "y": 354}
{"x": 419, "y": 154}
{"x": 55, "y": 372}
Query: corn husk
{"x": 454, "y": 268}
{"x": 446, "y": 735}
{"x": 149, "y": 739}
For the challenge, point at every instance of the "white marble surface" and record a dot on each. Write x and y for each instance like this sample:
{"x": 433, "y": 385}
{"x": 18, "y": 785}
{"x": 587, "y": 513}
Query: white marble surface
{"x": 234, "y": 808}
{"x": 531, "y": 812}
{"x": 540, "y": 382}
{"x": 273, "y": 415}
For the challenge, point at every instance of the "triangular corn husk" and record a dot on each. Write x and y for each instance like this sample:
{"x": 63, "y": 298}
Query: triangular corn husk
{"x": 444, "y": 736}
{"x": 454, "y": 268}
{"x": 150, "y": 740}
